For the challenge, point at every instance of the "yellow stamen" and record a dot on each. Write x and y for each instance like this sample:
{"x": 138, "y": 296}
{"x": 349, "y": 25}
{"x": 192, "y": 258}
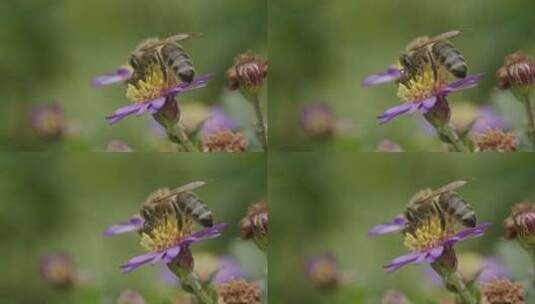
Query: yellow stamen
{"x": 429, "y": 233}
{"x": 166, "y": 233}
{"x": 424, "y": 84}
{"x": 154, "y": 85}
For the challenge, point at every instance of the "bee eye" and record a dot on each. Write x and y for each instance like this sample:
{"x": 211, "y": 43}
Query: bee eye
{"x": 133, "y": 62}
{"x": 405, "y": 61}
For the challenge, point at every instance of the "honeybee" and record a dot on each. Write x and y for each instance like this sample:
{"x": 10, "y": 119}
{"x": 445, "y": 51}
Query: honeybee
{"x": 180, "y": 202}
{"x": 440, "y": 202}
{"x": 167, "y": 53}
{"x": 434, "y": 51}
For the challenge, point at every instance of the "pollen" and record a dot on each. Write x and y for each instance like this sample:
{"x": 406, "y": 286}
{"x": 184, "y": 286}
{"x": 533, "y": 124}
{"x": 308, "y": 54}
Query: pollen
{"x": 429, "y": 234}
{"x": 166, "y": 233}
{"x": 154, "y": 85}
{"x": 424, "y": 84}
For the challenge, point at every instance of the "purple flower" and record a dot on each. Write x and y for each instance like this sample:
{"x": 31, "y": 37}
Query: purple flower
{"x": 58, "y": 269}
{"x": 397, "y": 224}
{"x": 48, "y": 121}
{"x": 167, "y": 255}
{"x": 426, "y": 104}
{"x": 488, "y": 119}
{"x": 318, "y": 120}
{"x": 120, "y": 75}
{"x": 433, "y": 253}
{"x": 323, "y": 271}
{"x": 133, "y": 224}
{"x": 218, "y": 120}
{"x": 154, "y": 105}
{"x": 392, "y": 74}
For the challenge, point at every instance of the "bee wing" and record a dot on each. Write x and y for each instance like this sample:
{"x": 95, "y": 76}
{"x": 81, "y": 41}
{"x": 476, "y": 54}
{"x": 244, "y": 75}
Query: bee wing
{"x": 182, "y": 37}
{"x": 188, "y": 187}
{"x": 426, "y": 42}
{"x": 449, "y": 187}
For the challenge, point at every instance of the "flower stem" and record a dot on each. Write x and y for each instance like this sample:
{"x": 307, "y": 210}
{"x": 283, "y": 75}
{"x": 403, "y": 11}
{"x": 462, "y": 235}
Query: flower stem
{"x": 531, "y": 120}
{"x": 447, "y": 131}
{"x": 260, "y": 122}
{"x": 456, "y": 280}
{"x": 178, "y": 135}
{"x": 192, "y": 281}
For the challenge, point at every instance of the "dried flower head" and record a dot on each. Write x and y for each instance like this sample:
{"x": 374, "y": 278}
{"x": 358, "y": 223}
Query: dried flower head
{"x": 520, "y": 224}
{"x": 394, "y": 297}
{"x": 247, "y": 73}
{"x": 224, "y": 141}
{"x": 238, "y": 291}
{"x": 130, "y": 297}
{"x": 318, "y": 121}
{"x": 502, "y": 291}
{"x": 48, "y": 121}
{"x": 323, "y": 271}
{"x": 255, "y": 225}
{"x": 517, "y": 72}
{"x": 495, "y": 140}
{"x": 58, "y": 270}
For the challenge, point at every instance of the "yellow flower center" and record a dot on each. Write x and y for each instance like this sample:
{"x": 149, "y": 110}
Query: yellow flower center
{"x": 429, "y": 233}
{"x": 166, "y": 233}
{"x": 424, "y": 84}
{"x": 154, "y": 85}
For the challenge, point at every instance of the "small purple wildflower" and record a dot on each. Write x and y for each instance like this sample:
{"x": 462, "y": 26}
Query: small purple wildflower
{"x": 48, "y": 121}
{"x": 425, "y": 104}
{"x": 58, "y": 269}
{"x": 323, "y": 271}
{"x": 434, "y": 251}
{"x": 218, "y": 120}
{"x": 318, "y": 120}
{"x": 488, "y": 119}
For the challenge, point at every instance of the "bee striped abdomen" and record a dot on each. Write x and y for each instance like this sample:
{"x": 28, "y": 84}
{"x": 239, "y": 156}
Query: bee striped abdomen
{"x": 457, "y": 206}
{"x": 179, "y": 62}
{"x": 189, "y": 203}
{"x": 451, "y": 58}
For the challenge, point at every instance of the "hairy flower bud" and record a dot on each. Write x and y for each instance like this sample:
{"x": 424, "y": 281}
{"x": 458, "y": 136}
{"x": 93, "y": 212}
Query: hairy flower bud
{"x": 247, "y": 73}
{"x": 238, "y": 291}
{"x": 130, "y": 297}
{"x": 58, "y": 270}
{"x": 518, "y": 70}
{"x": 495, "y": 140}
{"x": 224, "y": 141}
{"x": 502, "y": 291}
{"x": 255, "y": 225}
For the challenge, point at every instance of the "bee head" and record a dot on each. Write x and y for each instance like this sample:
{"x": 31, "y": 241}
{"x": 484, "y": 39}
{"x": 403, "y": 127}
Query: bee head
{"x": 207, "y": 221}
{"x": 134, "y": 62}
{"x": 187, "y": 75}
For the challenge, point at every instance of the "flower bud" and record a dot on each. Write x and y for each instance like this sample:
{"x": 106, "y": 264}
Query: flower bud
{"x": 323, "y": 271}
{"x": 520, "y": 224}
{"x": 48, "y": 121}
{"x": 394, "y": 297}
{"x": 224, "y": 141}
{"x": 247, "y": 74}
{"x": 517, "y": 74}
{"x": 447, "y": 263}
{"x": 440, "y": 114}
{"x": 318, "y": 121}
{"x": 238, "y": 291}
{"x": 130, "y": 297}
{"x": 495, "y": 140}
{"x": 502, "y": 291}
{"x": 183, "y": 263}
{"x": 255, "y": 225}
{"x": 58, "y": 270}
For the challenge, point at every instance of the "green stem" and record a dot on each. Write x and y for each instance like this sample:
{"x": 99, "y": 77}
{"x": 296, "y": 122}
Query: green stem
{"x": 448, "y": 132}
{"x": 192, "y": 281}
{"x": 178, "y": 135}
{"x": 455, "y": 279}
{"x": 531, "y": 120}
{"x": 260, "y": 122}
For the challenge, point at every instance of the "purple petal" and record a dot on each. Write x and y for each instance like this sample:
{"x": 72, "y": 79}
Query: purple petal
{"x": 488, "y": 119}
{"x": 217, "y": 121}
{"x": 156, "y": 105}
{"x": 434, "y": 253}
{"x": 228, "y": 270}
{"x": 123, "y": 112}
{"x": 120, "y": 75}
{"x": 134, "y": 224}
{"x": 393, "y": 112}
{"x": 139, "y": 260}
{"x": 171, "y": 253}
{"x": 403, "y": 260}
{"x": 389, "y": 75}
{"x": 397, "y": 224}
{"x": 205, "y": 234}
{"x": 427, "y": 104}
{"x": 183, "y": 87}
{"x": 461, "y": 84}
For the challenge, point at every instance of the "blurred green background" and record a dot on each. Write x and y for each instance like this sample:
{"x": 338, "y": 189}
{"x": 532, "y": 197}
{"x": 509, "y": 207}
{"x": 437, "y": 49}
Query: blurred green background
{"x": 327, "y": 202}
{"x": 321, "y": 50}
{"x": 52, "y": 50}
{"x": 62, "y": 202}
